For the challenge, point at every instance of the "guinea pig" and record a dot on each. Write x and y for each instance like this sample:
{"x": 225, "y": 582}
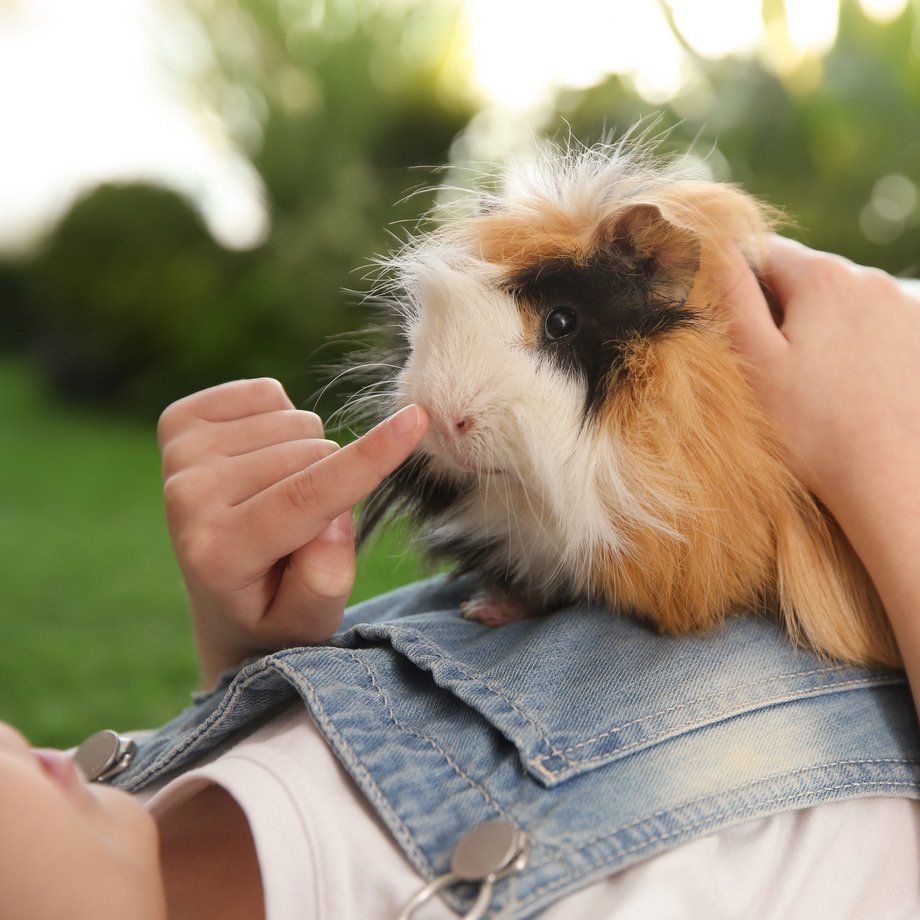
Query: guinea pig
{"x": 593, "y": 436}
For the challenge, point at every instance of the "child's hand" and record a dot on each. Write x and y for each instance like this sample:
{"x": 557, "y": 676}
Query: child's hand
{"x": 841, "y": 378}
{"x": 259, "y": 509}
{"x": 840, "y": 375}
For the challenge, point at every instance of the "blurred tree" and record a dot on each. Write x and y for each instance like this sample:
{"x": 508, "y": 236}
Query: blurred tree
{"x": 15, "y": 317}
{"x": 132, "y": 303}
{"x": 135, "y": 299}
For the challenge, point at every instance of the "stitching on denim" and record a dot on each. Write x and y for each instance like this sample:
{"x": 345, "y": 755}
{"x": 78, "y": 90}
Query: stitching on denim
{"x": 537, "y": 762}
{"x": 499, "y": 808}
{"x": 163, "y": 761}
{"x": 713, "y": 696}
{"x": 402, "y": 831}
{"x": 470, "y": 675}
{"x": 693, "y": 827}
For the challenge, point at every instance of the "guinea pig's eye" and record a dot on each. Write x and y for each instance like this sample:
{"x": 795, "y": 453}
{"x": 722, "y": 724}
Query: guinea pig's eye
{"x": 560, "y": 323}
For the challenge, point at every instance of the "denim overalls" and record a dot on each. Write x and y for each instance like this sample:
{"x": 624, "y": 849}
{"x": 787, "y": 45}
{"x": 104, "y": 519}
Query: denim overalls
{"x": 605, "y": 742}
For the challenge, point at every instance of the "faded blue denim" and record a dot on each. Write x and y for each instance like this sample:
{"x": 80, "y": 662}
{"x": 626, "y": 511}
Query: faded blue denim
{"x": 606, "y": 742}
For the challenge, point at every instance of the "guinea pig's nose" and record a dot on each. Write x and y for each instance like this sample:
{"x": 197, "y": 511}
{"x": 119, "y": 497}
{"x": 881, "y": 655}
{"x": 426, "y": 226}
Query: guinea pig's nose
{"x": 452, "y": 426}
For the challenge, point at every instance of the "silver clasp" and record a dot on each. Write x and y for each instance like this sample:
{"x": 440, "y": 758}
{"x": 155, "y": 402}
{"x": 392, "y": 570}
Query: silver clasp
{"x": 104, "y": 755}
{"x": 489, "y": 852}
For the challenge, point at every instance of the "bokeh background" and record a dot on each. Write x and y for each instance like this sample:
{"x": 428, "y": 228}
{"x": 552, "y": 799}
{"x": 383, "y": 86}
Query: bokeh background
{"x": 187, "y": 188}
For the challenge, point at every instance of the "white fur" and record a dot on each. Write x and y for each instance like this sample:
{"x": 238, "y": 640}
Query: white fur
{"x": 540, "y": 465}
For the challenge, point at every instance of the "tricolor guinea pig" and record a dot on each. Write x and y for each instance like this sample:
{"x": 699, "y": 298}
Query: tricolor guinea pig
{"x": 592, "y": 434}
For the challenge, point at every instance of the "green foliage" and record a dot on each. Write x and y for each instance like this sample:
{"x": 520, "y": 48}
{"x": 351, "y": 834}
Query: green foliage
{"x": 15, "y": 318}
{"x": 133, "y": 301}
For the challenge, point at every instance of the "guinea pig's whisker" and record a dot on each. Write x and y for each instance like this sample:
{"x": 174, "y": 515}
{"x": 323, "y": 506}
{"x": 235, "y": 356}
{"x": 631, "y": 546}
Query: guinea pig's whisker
{"x": 360, "y": 406}
{"x": 373, "y": 385}
{"x": 358, "y": 369}
{"x": 356, "y": 412}
{"x": 355, "y": 370}
{"x": 381, "y": 386}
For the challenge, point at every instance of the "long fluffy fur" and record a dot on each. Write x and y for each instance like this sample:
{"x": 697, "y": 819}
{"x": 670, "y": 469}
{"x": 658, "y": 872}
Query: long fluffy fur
{"x": 667, "y": 495}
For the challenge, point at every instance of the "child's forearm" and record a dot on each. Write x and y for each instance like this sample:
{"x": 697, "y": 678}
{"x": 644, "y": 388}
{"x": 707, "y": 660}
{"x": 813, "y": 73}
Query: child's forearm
{"x": 883, "y": 526}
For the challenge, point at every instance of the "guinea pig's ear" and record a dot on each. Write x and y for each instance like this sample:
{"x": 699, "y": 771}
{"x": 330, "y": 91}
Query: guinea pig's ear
{"x": 643, "y": 237}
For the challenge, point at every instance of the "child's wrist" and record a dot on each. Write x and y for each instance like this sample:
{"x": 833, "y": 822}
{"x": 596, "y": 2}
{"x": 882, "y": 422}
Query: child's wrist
{"x": 219, "y": 643}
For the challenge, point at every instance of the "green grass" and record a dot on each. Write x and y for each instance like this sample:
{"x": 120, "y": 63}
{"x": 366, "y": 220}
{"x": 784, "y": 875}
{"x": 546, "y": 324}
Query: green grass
{"x": 93, "y": 628}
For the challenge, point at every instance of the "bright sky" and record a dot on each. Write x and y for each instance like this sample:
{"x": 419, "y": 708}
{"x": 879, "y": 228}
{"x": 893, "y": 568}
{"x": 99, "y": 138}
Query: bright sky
{"x": 84, "y": 97}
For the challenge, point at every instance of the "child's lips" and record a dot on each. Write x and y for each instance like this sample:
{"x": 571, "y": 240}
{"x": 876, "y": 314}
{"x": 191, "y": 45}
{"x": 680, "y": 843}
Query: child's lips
{"x": 60, "y": 769}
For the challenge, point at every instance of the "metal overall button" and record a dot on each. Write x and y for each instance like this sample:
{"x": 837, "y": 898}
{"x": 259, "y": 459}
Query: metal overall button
{"x": 104, "y": 755}
{"x": 485, "y": 854}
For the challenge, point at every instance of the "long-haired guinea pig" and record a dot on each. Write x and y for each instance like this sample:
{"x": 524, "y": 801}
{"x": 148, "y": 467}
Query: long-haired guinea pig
{"x": 592, "y": 434}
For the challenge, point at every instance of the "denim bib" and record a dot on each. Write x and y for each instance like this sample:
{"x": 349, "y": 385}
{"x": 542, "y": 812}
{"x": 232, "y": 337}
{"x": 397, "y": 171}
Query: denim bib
{"x": 606, "y": 742}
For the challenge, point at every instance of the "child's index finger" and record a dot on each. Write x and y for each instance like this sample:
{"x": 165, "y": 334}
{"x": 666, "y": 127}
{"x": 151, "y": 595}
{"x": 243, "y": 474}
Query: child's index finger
{"x": 296, "y": 510}
{"x": 348, "y": 475}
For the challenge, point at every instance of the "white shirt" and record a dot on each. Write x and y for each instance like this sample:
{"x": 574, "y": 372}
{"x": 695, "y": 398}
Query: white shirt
{"x": 324, "y": 854}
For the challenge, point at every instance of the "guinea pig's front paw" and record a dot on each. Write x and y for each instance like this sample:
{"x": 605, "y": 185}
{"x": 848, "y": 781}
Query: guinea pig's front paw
{"x": 492, "y": 611}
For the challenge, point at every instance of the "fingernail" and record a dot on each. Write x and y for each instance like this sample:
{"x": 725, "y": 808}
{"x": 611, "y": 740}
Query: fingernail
{"x": 340, "y": 530}
{"x": 405, "y": 422}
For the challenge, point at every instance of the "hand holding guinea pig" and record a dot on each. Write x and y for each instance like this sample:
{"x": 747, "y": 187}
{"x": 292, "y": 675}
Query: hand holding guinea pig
{"x": 839, "y": 376}
{"x": 593, "y": 436}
